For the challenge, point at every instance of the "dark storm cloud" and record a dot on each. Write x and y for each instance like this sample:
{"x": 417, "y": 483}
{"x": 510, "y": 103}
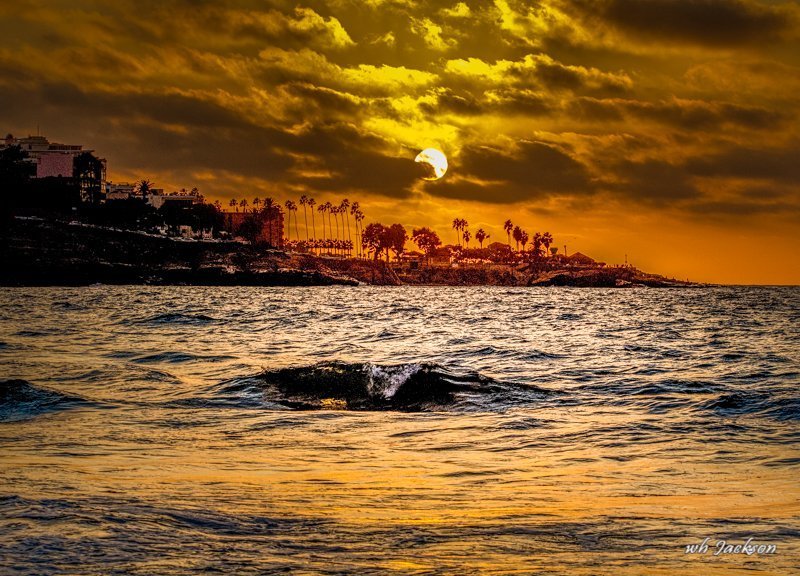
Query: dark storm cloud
{"x": 176, "y": 109}
{"x": 775, "y": 164}
{"x": 653, "y": 181}
{"x": 324, "y": 158}
{"x": 683, "y": 114}
{"x": 557, "y": 76}
{"x": 531, "y": 171}
{"x": 715, "y": 23}
{"x": 744, "y": 208}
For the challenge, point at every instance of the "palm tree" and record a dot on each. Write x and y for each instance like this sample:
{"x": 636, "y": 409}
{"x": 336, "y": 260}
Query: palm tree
{"x": 547, "y": 239}
{"x": 243, "y": 204}
{"x": 329, "y": 210}
{"x": 321, "y": 209}
{"x": 354, "y": 209}
{"x": 480, "y": 236}
{"x": 256, "y": 202}
{"x": 343, "y": 206}
{"x": 288, "y": 205}
{"x": 311, "y": 203}
{"x": 457, "y": 228}
{"x": 303, "y": 202}
{"x": 523, "y": 239}
{"x": 359, "y": 217}
{"x": 517, "y": 233}
{"x": 234, "y": 203}
{"x": 508, "y": 226}
{"x": 144, "y": 187}
{"x": 293, "y": 208}
{"x": 268, "y": 209}
{"x": 537, "y": 245}
{"x": 467, "y": 237}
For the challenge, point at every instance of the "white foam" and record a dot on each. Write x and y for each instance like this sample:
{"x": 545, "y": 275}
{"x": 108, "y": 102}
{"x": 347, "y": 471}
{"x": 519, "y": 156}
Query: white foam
{"x": 385, "y": 381}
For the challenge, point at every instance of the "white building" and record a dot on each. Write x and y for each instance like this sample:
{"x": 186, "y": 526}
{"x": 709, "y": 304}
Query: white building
{"x": 157, "y": 199}
{"x": 119, "y": 190}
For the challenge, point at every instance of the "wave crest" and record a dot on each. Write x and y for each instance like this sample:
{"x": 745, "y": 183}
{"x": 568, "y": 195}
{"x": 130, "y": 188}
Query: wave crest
{"x": 21, "y": 400}
{"x": 366, "y": 386}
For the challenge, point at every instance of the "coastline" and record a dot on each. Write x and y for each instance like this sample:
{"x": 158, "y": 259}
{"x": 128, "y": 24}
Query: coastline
{"x": 36, "y": 252}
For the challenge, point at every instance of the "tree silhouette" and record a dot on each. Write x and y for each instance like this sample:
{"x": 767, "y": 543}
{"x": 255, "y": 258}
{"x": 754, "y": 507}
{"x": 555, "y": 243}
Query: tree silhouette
{"x": 480, "y": 236}
{"x": 517, "y": 234}
{"x": 234, "y": 203}
{"x": 268, "y": 209}
{"x": 427, "y": 240}
{"x": 373, "y": 239}
{"x": 288, "y": 205}
{"x": 354, "y": 210}
{"x": 343, "y": 206}
{"x": 321, "y": 209}
{"x": 87, "y": 170}
{"x": 143, "y": 188}
{"x": 508, "y": 226}
{"x": 311, "y": 203}
{"x": 547, "y": 240}
{"x": 523, "y": 239}
{"x": 467, "y": 237}
{"x": 329, "y": 211}
{"x": 359, "y": 217}
{"x": 395, "y": 240}
{"x": 303, "y": 203}
{"x": 537, "y": 245}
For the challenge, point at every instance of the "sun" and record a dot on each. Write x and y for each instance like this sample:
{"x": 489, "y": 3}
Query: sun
{"x": 435, "y": 161}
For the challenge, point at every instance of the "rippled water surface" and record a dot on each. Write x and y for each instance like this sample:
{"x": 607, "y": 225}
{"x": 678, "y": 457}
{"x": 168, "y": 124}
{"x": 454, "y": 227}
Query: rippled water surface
{"x": 174, "y": 430}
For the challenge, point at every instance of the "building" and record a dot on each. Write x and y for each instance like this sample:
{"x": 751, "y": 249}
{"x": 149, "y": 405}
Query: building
{"x": 119, "y": 190}
{"x": 271, "y": 227}
{"x": 50, "y": 158}
{"x": 54, "y": 160}
{"x": 157, "y": 198}
{"x": 581, "y": 260}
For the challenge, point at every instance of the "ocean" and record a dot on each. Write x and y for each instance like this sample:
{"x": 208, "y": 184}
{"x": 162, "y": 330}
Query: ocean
{"x": 403, "y": 430}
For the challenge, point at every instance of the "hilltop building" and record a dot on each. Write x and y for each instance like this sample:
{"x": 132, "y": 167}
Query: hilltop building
{"x": 157, "y": 198}
{"x": 119, "y": 190}
{"x": 54, "y": 160}
{"x": 50, "y": 158}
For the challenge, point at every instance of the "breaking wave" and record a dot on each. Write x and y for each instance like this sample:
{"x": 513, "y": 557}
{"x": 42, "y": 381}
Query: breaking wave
{"x": 411, "y": 387}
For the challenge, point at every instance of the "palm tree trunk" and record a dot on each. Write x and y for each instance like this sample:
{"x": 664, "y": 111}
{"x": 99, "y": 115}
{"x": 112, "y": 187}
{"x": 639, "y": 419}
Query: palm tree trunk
{"x": 349, "y": 238}
{"x": 305, "y": 219}
{"x": 296, "y": 233}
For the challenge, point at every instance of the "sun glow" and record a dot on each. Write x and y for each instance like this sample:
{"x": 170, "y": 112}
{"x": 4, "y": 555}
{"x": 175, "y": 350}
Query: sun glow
{"x": 435, "y": 162}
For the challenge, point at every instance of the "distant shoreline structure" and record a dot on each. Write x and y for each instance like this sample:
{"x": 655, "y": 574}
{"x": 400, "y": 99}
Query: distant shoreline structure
{"x": 40, "y": 252}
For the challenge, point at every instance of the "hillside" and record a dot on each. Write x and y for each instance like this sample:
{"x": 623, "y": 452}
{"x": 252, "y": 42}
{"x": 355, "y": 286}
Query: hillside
{"x": 37, "y": 252}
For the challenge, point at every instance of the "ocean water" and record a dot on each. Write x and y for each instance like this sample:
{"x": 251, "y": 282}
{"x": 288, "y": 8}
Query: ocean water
{"x": 408, "y": 430}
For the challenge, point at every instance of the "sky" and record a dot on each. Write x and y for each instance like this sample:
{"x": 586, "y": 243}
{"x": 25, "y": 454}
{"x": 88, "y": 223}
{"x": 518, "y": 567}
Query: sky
{"x": 664, "y": 131}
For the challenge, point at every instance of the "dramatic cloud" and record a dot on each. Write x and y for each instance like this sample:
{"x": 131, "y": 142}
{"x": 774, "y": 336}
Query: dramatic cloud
{"x": 593, "y": 115}
{"x": 705, "y": 22}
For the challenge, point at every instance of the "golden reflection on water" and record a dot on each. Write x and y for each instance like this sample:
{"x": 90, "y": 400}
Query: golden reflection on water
{"x": 426, "y": 472}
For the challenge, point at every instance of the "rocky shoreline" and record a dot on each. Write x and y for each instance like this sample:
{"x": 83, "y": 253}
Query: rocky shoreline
{"x": 52, "y": 253}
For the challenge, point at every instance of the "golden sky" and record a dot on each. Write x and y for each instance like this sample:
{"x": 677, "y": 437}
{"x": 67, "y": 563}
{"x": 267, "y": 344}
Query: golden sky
{"x": 666, "y": 130}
